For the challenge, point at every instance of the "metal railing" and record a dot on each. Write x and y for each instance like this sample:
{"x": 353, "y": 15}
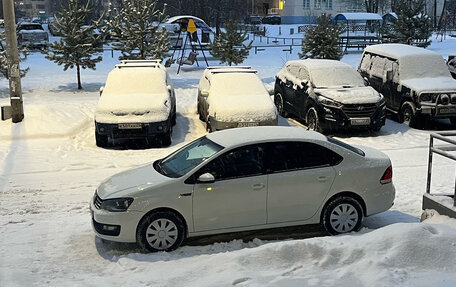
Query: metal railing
{"x": 443, "y": 151}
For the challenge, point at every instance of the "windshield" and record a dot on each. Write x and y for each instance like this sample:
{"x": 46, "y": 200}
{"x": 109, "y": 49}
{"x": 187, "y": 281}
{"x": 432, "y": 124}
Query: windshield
{"x": 336, "y": 77}
{"x": 245, "y": 83}
{"x": 187, "y": 158}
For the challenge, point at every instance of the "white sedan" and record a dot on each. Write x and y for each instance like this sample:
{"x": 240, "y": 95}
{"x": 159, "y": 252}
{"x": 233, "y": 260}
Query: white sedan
{"x": 244, "y": 179}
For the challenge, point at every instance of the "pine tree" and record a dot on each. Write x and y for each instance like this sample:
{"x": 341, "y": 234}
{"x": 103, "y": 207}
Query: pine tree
{"x": 321, "y": 41}
{"x": 229, "y": 45}
{"x": 411, "y": 24}
{"x": 136, "y": 31}
{"x": 79, "y": 44}
{"x": 4, "y": 57}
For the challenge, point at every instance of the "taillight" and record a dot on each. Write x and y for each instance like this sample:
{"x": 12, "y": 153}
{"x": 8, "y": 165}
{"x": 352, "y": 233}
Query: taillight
{"x": 387, "y": 175}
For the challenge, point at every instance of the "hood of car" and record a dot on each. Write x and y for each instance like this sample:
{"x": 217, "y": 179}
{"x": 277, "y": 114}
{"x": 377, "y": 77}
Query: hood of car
{"x": 356, "y": 95}
{"x": 130, "y": 182}
{"x": 439, "y": 84}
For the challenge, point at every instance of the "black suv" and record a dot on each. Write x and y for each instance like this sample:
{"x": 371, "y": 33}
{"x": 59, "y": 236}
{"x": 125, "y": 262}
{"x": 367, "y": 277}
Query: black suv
{"x": 416, "y": 82}
{"x": 273, "y": 19}
{"x": 328, "y": 94}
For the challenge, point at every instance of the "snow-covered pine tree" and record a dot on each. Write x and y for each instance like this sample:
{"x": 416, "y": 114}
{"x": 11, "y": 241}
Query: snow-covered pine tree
{"x": 79, "y": 44}
{"x": 411, "y": 25}
{"x": 229, "y": 46}
{"x": 322, "y": 41}
{"x": 136, "y": 30}
{"x": 4, "y": 57}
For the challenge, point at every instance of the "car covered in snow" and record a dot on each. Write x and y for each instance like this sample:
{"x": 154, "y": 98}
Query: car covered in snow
{"x": 273, "y": 19}
{"x": 241, "y": 180}
{"x": 230, "y": 97}
{"x": 138, "y": 101}
{"x": 328, "y": 94}
{"x": 31, "y": 35}
{"x": 452, "y": 65}
{"x": 415, "y": 82}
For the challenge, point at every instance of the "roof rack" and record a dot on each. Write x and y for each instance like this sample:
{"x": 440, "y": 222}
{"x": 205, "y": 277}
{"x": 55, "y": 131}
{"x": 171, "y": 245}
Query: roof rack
{"x": 158, "y": 61}
{"x": 228, "y": 67}
{"x": 139, "y": 65}
{"x": 221, "y": 71}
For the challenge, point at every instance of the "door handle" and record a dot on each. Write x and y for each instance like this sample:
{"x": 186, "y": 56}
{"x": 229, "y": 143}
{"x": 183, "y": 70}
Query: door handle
{"x": 322, "y": 178}
{"x": 186, "y": 194}
{"x": 258, "y": 186}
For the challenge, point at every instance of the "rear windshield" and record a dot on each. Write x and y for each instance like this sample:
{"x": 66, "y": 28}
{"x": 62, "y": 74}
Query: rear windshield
{"x": 346, "y": 146}
{"x": 31, "y": 27}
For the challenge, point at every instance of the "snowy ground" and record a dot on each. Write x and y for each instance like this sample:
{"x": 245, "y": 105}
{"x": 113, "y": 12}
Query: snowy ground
{"x": 50, "y": 168}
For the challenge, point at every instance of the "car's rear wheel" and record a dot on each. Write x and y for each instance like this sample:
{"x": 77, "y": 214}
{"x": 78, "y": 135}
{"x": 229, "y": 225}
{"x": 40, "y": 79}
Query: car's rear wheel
{"x": 101, "y": 140}
{"x": 160, "y": 231}
{"x": 312, "y": 121}
{"x": 278, "y": 101}
{"x": 343, "y": 214}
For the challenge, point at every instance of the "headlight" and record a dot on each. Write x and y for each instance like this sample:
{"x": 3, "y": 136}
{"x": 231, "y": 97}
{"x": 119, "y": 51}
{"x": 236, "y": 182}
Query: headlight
{"x": 453, "y": 98}
{"x": 327, "y": 102}
{"x": 116, "y": 204}
{"x": 381, "y": 102}
{"x": 425, "y": 98}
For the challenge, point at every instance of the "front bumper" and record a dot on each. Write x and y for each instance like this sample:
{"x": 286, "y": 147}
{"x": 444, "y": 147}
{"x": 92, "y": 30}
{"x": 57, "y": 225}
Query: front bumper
{"x": 221, "y": 125}
{"x": 155, "y": 129}
{"x": 115, "y": 226}
{"x": 438, "y": 110}
{"x": 349, "y": 117}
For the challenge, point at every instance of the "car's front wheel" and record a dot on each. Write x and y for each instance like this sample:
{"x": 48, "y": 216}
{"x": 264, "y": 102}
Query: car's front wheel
{"x": 160, "y": 231}
{"x": 343, "y": 214}
{"x": 278, "y": 101}
{"x": 409, "y": 115}
{"x": 312, "y": 121}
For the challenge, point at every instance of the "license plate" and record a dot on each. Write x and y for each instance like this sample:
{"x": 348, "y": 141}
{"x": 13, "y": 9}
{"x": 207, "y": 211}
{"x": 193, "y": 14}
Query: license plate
{"x": 360, "y": 121}
{"x": 129, "y": 126}
{"x": 447, "y": 110}
{"x": 240, "y": 125}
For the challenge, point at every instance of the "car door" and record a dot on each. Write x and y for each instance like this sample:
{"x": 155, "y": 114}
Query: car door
{"x": 237, "y": 198}
{"x": 300, "y": 176}
{"x": 301, "y": 94}
{"x": 203, "y": 106}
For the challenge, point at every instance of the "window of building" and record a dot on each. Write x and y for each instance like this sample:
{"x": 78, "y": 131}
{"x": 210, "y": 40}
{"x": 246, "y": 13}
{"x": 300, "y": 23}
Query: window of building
{"x": 329, "y": 4}
{"x": 305, "y": 4}
{"x": 40, "y": 6}
{"x": 317, "y": 4}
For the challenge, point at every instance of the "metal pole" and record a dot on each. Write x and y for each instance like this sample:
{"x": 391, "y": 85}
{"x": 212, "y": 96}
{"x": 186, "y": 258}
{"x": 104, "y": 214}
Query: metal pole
{"x": 429, "y": 175}
{"x": 17, "y": 109}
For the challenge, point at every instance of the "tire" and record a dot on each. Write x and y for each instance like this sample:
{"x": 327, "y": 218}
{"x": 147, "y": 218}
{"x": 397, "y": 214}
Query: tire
{"x": 278, "y": 101}
{"x": 101, "y": 140}
{"x": 409, "y": 116}
{"x": 376, "y": 128}
{"x": 173, "y": 118}
{"x": 160, "y": 231}
{"x": 166, "y": 138}
{"x": 343, "y": 214}
{"x": 200, "y": 115}
{"x": 312, "y": 121}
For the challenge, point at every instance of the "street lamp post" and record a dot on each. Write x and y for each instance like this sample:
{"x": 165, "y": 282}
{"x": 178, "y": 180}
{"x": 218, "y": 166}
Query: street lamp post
{"x": 14, "y": 75}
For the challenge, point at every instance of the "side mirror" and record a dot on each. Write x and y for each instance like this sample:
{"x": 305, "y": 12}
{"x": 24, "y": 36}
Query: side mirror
{"x": 366, "y": 81}
{"x": 101, "y": 90}
{"x": 204, "y": 94}
{"x": 206, "y": 178}
{"x": 305, "y": 85}
{"x": 389, "y": 75}
{"x": 169, "y": 87}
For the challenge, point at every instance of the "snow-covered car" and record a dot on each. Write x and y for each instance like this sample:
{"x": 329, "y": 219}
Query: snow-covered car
{"x": 452, "y": 65}
{"x": 230, "y": 97}
{"x": 253, "y": 19}
{"x": 31, "y": 35}
{"x": 138, "y": 101}
{"x": 240, "y": 180}
{"x": 273, "y": 19}
{"x": 416, "y": 82}
{"x": 328, "y": 94}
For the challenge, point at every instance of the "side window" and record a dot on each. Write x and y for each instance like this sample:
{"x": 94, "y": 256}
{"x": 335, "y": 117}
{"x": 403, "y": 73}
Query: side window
{"x": 240, "y": 162}
{"x": 396, "y": 72}
{"x": 286, "y": 156}
{"x": 366, "y": 63}
{"x": 378, "y": 67}
{"x": 303, "y": 74}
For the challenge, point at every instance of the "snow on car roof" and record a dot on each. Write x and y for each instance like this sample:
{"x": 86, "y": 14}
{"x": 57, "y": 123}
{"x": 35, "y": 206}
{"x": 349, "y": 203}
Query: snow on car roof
{"x": 134, "y": 79}
{"x": 233, "y": 71}
{"x": 238, "y": 136}
{"x": 175, "y": 18}
{"x": 227, "y": 67}
{"x": 357, "y": 16}
{"x": 318, "y": 63}
{"x": 398, "y": 50}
